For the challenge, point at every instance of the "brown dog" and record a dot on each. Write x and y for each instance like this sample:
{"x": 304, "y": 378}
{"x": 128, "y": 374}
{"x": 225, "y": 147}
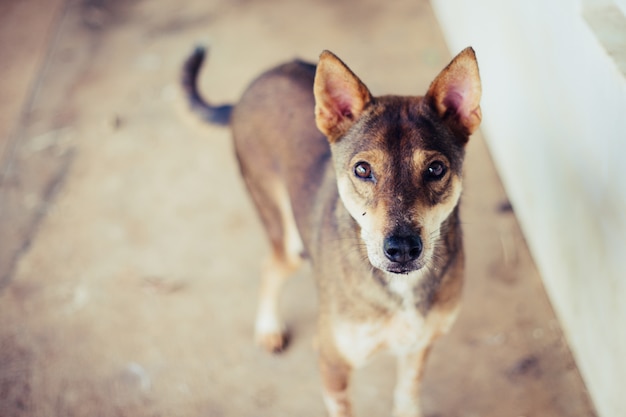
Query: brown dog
{"x": 367, "y": 188}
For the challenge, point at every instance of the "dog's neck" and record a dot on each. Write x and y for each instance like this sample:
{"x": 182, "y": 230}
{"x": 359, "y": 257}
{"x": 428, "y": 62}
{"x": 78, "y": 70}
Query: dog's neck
{"x": 409, "y": 290}
{"x": 404, "y": 285}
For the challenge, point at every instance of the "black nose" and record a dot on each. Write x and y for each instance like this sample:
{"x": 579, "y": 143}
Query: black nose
{"x": 402, "y": 249}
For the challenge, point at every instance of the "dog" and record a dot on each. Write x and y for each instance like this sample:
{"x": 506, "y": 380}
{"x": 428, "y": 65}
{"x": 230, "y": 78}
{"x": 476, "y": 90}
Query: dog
{"x": 366, "y": 188}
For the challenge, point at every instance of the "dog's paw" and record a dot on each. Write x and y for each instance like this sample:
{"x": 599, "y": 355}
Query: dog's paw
{"x": 272, "y": 342}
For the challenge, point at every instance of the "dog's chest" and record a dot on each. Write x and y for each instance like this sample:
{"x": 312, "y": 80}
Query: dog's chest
{"x": 400, "y": 332}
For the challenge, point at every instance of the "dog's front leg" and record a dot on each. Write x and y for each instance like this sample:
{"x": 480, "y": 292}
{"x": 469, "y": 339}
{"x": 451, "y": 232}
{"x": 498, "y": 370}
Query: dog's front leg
{"x": 407, "y": 391}
{"x": 335, "y": 380}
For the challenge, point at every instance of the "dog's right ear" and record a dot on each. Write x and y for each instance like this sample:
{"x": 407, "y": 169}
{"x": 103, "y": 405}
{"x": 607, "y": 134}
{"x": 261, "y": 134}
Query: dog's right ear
{"x": 340, "y": 97}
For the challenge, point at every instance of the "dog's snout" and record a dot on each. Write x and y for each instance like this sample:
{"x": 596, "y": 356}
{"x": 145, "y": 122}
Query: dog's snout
{"x": 402, "y": 249}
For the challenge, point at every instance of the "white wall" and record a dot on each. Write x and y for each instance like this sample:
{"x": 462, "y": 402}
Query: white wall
{"x": 554, "y": 114}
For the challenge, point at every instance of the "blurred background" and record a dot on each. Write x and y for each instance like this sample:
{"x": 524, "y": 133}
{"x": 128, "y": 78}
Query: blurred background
{"x": 129, "y": 250}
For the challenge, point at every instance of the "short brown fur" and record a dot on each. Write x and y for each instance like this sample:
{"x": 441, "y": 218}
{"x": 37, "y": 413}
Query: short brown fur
{"x": 371, "y": 201}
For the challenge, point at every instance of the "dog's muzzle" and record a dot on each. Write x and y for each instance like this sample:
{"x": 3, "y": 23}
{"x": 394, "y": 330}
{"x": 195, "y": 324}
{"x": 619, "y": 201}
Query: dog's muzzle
{"x": 402, "y": 250}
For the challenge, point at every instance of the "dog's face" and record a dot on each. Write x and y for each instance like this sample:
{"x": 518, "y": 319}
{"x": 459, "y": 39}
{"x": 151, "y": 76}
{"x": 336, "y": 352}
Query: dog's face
{"x": 399, "y": 176}
{"x": 398, "y": 160}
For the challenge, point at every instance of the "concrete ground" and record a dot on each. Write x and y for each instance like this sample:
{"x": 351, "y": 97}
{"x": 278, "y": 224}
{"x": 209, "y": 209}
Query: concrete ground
{"x": 129, "y": 251}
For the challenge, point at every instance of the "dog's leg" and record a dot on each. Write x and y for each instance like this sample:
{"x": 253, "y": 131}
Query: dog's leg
{"x": 335, "y": 381}
{"x": 270, "y": 332}
{"x": 407, "y": 391}
{"x": 285, "y": 259}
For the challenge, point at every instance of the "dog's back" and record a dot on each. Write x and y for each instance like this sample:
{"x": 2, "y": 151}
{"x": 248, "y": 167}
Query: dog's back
{"x": 280, "y": 150}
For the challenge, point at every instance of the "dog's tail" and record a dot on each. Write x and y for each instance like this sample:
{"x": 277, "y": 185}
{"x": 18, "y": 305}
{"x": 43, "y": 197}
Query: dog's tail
{"x": 219, "y": 115}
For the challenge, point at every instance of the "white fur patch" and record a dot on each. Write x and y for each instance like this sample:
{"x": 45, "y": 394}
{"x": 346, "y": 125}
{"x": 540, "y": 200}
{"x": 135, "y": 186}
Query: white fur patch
{"x": 291, "y": 239}
{"x": 357, "y": 342}
{"x": 404, "y": 332}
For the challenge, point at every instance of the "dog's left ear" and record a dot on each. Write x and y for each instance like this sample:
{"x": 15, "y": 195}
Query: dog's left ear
{"x": 455, "y": 93}
{"x": 340, "y": 97}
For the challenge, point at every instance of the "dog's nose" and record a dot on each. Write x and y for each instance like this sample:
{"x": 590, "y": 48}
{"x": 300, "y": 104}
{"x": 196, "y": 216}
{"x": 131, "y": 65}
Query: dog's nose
{"x": 402, "y": 249}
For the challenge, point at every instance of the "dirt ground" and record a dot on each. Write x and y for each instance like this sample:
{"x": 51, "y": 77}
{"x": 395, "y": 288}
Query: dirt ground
{"x": 129, "y": 251}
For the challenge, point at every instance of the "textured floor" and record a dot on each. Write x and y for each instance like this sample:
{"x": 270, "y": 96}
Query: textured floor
{"x": 129, "y": 251}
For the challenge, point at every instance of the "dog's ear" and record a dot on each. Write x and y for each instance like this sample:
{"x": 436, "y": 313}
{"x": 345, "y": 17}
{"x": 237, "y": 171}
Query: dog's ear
{"x": 455, "y": 93}
{"x": 340, "y": 96}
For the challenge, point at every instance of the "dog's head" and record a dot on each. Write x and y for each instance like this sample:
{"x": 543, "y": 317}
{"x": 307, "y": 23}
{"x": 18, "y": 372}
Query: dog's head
{"x": 398, "y": 160}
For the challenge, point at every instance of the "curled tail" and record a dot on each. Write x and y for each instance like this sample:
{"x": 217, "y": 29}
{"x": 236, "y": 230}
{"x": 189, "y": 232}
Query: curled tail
{"x": 219, "y": 115}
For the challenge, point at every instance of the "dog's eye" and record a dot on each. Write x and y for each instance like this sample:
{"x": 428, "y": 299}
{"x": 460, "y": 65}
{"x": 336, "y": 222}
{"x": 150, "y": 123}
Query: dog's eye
{"x": 363, "y": 170}
{"x": 436, "y": 170}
